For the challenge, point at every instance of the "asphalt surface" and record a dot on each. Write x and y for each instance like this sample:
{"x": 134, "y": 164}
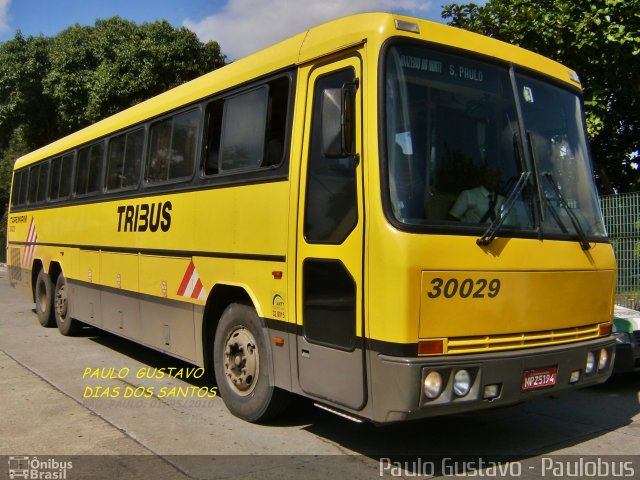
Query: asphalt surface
{"x": 52, "y": 409}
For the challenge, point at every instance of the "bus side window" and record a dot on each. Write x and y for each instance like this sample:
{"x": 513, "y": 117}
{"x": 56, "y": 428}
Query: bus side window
{"x": 115, "y": 162}
{"x": 173, "y": 146}
{"x": 89, "y": 172}
{"x": 33, "y": 183}
{"x": 243, "y": 130}
{"x": 133, "y": 158}
{"x": 66, "y": 171}
{"x": 124, "y": 160}
{"x": 276, "y": 121}
{"x": 24, "y": 187}
{"x": 213, "y": 133}
{"x": 38, "y": 182}
{"x": 16, "y": 194}
{"x": 54, "y": 178}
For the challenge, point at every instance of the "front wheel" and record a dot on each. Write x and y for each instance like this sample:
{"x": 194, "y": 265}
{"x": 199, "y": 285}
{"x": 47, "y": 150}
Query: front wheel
{"x": 67, "y": 325}
{"x": 242, "y": 366}
{"x": 44, "y": 300}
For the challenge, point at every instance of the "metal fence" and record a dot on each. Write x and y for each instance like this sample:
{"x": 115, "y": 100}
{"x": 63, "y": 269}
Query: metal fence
{"x": 622, "y": 217}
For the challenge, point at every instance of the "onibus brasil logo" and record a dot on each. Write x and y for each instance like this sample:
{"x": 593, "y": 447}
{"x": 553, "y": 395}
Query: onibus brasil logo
{"x": 37, "y": 468}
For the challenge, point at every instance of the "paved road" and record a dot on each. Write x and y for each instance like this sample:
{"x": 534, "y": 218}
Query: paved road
{"x": 44, "y": 411}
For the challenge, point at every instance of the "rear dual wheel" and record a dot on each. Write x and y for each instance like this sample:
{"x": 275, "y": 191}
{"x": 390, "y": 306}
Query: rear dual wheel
{"x": 67, "y": 325}
{"x": 44, "y": 300}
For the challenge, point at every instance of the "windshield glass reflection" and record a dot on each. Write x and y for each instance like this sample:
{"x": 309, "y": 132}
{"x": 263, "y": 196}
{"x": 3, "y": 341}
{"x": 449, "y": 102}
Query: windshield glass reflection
{"x": 455, "y": 153}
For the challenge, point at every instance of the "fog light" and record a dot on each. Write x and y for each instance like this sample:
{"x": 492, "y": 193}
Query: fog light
{"x": 432, "y": 385}
{"x": 491, "y": 391}
{"x": 604, "y": 359}
{"x": 461, "y": 383}
{"x": 591, "y": 363}
{"x": 575, "y": 376}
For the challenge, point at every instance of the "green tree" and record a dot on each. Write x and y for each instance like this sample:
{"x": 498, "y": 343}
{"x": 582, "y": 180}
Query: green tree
{"x": 24, "y": 107}
{"x": 98, "y": 71}
{"x": 600, "y": 39}
{"x": 52, "y": 86}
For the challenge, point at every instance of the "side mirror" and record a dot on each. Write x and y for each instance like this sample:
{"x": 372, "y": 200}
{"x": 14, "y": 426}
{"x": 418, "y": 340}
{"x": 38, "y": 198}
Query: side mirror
{"x": 338, "y": 121}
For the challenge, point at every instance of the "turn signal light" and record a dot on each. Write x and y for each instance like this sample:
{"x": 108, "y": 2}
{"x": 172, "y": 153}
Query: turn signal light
{"x": 430, "y": 347}
{"x": 604, "y": 329}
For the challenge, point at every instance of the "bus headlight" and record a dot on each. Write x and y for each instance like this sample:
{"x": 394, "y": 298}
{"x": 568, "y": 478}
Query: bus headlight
{"x": 591, "y": 363}
{"x": 432, "y": 385}
{"x": 604, "y": 359}
{"x": 461, "y": 383}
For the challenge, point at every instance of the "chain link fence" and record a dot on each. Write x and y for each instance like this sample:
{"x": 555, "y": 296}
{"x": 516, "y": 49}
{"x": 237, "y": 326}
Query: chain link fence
{"x": 622, "y": 217}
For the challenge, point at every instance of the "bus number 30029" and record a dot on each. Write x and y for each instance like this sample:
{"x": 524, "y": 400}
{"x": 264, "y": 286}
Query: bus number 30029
{"x": 467, "y": 288}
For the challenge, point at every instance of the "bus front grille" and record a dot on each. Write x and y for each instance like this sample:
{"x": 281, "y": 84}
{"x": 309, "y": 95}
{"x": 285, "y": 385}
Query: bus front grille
{"x": 514, "y": 341}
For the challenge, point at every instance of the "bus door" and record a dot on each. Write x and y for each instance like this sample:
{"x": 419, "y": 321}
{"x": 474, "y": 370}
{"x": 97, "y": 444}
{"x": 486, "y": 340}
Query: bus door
{"x": 330, "y": 347}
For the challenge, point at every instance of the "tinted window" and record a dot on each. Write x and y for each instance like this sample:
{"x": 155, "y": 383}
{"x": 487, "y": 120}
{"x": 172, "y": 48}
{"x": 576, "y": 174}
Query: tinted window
{"x": 173, "y": 146}
{"x": 243, "y": 130}
{"x": 15, "y": 189}
{"x": 38, "y": 182}
{"x": 331, "y": 204}
{"x": 247, "y": 131}
{"x": 89, "y": 171}
{"x": 60, "y": 178}
{"x": 213, "y": 134}
{"x": 24, "y": 187}
{"x": 329, "y": 304}
{"x": 124, "y": 160}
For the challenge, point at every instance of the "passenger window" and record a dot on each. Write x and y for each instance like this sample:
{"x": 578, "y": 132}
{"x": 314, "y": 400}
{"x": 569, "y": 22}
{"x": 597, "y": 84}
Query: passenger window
{"x": 38, "y": 183}
{"x": 24, "y": 187}
{"x": 54, "y": 179}
{"x": 213, "y": 117}
{"x": 243, "y": 130}
{"x": 124, "y": 160}
{"x": 33, "y": 183}
{"x": 15, "y": 189}
{"x": 60, "y": 178}
{"x": 89, "y": 173}
{"x": 247, "y": 131}
{"x": 172, "y": 147}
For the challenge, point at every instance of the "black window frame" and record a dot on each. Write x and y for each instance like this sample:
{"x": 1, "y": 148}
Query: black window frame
{"x": 160, "y": 184}
{"x": 61, "y": 157}
{"x": 89, "y": 146}
{"x": 262, "y": 171}
{"x": 264, "y": 174}
{"x": 144, "y": 127}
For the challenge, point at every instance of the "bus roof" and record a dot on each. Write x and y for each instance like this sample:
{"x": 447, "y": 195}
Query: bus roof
{"x": 324, "y": 39}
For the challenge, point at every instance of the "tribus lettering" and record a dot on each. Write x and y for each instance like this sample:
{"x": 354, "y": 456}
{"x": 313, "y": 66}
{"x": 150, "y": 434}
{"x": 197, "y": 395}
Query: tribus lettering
{"x": 143, "y": 217}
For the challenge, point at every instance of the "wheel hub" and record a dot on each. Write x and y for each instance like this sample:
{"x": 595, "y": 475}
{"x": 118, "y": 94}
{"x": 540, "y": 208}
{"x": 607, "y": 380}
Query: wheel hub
{"x": 241, "y": 361}
{"x": 61, "y": 303}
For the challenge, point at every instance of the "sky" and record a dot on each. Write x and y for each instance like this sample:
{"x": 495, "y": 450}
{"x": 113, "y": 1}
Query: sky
{"x": 239, "y": 26}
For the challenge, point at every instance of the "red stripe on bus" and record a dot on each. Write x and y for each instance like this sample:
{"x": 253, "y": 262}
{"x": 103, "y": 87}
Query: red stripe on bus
{"x": 186, "y": 278}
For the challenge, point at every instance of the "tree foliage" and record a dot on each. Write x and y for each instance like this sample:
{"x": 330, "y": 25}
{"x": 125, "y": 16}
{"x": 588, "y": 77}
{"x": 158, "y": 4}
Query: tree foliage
{"x": 600, "y": 39}
{"x": 52, "y": 86}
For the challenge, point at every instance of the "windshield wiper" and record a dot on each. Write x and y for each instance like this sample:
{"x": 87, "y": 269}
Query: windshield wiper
{"x": 490, "y": 234}
{"x": 582, "y": 237}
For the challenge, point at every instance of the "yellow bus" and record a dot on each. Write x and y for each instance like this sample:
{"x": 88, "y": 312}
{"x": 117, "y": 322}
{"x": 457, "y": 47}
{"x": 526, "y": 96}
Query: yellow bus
{"x": 390, "y": 216}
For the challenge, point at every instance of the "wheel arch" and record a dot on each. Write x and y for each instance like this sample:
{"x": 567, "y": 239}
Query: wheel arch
{"x": 220, "y": 297}
{"x": 36, "y": 266}
{"x": 55, "y": 269}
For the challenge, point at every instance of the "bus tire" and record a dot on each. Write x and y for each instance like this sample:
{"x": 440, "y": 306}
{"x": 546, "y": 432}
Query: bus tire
{"x": 67, "y": 325}
{"x": 242, "y": 366}
{"x": 44, "y": 300}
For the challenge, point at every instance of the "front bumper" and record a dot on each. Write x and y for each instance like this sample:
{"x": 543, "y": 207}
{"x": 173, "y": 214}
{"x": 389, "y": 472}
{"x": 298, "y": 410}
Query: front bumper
{"x": 396, "y": 382}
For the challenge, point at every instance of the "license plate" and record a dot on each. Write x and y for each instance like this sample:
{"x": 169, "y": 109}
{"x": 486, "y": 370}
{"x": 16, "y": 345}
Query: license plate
{"x": 539, "y": 378}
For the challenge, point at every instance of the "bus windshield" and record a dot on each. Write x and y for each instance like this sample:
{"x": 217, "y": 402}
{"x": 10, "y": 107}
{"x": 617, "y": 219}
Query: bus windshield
{"x": 455, "y": 147}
